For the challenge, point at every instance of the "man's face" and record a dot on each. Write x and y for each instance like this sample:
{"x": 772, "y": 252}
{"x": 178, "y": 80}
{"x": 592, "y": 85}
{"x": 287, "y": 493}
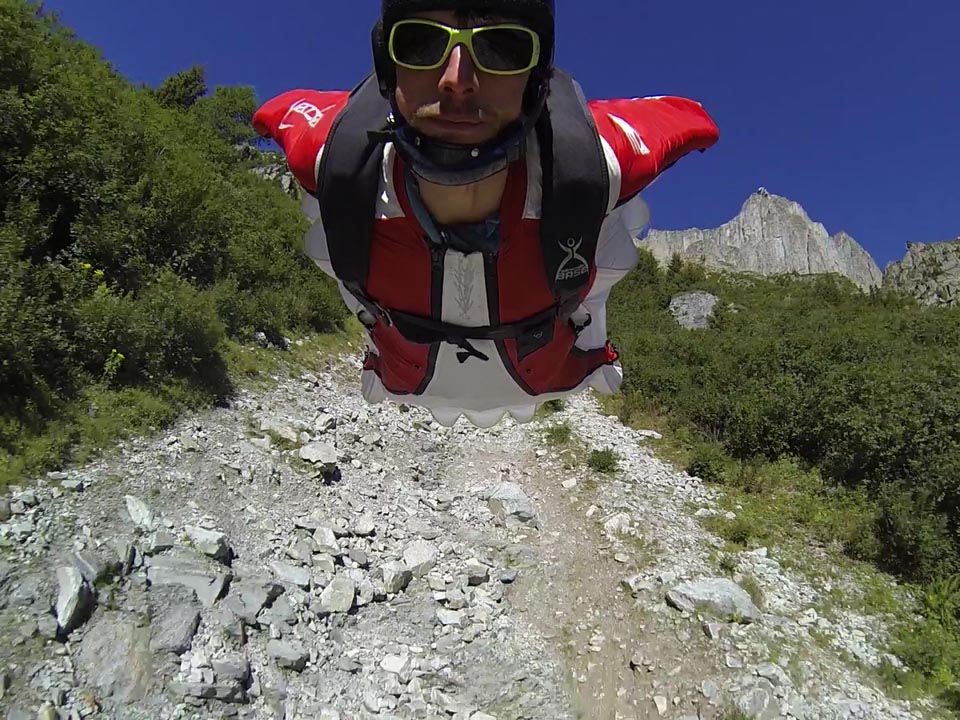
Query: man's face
{"x": 457, "y": 102}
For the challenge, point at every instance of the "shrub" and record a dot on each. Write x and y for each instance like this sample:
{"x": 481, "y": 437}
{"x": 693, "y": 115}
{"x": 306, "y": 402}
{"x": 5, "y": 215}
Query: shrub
{"x": 709, "y": 463}
{"x": 137, "y": 240}
{"x": 603, "y": 461}
{"x": 559, "y": 434}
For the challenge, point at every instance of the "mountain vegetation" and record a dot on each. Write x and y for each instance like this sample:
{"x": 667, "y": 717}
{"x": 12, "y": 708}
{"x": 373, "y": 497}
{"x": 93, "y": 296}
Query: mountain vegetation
{"x": 825, "y": 409}
{"x": 135, "y": 245}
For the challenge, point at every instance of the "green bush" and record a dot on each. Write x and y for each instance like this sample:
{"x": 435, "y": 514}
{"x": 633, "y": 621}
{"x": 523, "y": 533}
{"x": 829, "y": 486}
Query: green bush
{"x": 554, "y": 406}
{"x": 134, "y": 240}
{"x": 865, "y": 388}
{"x": 916, "y": 539}
{"x": 559, "y": 434}
{"x": 603, "y": 461}
{"x": 709, "y": 463}
{"x": 931, "y": 654}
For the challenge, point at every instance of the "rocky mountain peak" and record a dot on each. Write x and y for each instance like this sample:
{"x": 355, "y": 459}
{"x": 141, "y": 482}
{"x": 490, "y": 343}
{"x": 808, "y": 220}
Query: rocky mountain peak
{"x": 771, "y": 235}
{"x": 929, "y": 271}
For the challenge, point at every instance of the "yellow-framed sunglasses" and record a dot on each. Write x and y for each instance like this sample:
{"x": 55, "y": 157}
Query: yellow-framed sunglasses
{"x": 505, "y": 49}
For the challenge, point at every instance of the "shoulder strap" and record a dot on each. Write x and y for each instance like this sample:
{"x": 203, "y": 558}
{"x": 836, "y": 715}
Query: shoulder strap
{"x": 347, "y": 182}
{"x": 576, "y": 188}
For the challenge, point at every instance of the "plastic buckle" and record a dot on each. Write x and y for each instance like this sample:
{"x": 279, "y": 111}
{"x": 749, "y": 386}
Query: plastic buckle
{"x": 383, "y": 314}
{"x": 580, "y": 327}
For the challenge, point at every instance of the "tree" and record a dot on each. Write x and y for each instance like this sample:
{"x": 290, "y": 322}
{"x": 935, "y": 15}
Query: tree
{"x": 229, "y": 112}
{"x": 183, "y": 89}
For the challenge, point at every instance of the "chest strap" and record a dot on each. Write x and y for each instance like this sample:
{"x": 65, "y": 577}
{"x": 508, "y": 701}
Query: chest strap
{"x": 529, "y": 331}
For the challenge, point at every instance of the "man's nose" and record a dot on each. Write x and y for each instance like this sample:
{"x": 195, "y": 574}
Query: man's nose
{"x": 460, "y": 74}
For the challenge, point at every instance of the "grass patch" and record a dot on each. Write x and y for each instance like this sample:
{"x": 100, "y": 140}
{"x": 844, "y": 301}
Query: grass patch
{"x": 678, "y": 442}
{"x": 549, "y": 408}
{"x": 280, "y": 442}
{"x": 102, "y": 416}
{"x": 250, "y": 365}
{"x": 821, "y": 637}
{"x": 814, "y": 526}
{"x": 643, "y": 551}
{"x": 777, "y": 501}
{"x": 728, "y": 563}
{"x": 604, "y": 461}
{"x": 572, "y": 449}
{"x": 559, "y": 435}
{"x": 255, "y": 367}
{"x": 927, "y": 641}
{"x": 96, "y": 421}
{"x": 878, "y": 595}
{"x": 750, "y": 584}
{"x": 709, "y": 463}
{"x": 735, "y": 715}
{"x": 322, "y": 348}
{"x": 773, "y": 501}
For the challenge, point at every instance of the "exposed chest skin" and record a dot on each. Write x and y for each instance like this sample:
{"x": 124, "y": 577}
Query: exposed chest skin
{"x": 463, "y": 203}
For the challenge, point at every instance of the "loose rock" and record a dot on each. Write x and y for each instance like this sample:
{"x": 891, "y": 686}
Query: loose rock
{"x": 208, "y": 584}
{"x": 321, "y": 455}
{"x": 248, "y": 597}
{"x": 337, "y": 597}
{"x": 140, "y": 513}
{"x": 288, "y": 655}
{"x": 396, "y": 576}
{"x": 509, "y": 501}
{"x": 420, "y": 557}
{"x": 289, "y": 574}
{"x": 718, "y": 596}
{"x": 477, "y": 572}
{"x": 74, "y": 600}
{"x": 115, "y": 657}
{"x": 91, "y": 566}
{"x": 210, "y": 542}
{"x": 176, "y": 618}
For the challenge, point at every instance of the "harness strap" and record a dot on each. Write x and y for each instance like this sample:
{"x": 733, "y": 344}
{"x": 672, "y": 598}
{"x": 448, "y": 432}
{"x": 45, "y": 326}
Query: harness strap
{"x": 417, "y": 328}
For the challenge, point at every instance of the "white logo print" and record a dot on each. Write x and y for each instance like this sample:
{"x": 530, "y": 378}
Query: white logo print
{"x": 463, "y": 282}
{"x": 633, "y": 137}
{"x": 311, "y": 112}
{"x": 574, "y": 264}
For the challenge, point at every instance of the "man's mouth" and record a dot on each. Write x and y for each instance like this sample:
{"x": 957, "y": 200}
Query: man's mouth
{"x": 452, "y": 115}
{"x": 455, "y": 126}
{"x": 460, "y": 119}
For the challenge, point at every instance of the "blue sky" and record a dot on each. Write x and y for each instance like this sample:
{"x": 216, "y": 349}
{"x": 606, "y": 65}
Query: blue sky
{"x": 849, "y": 107}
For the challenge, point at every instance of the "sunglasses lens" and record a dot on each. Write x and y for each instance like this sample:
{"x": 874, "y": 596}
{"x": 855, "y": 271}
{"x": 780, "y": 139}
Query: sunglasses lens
{"x": 419, "y": 45}
{"x": 504, "y": 49}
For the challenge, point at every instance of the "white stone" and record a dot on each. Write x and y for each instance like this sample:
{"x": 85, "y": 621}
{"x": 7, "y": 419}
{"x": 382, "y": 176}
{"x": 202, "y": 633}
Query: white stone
{"x": 140, "y": 513}
{"x": 338, "y": 596}
{"x": 320, "y": 454}
{"x": 210, "y": 542}
{"x": 421, "y": 557}
{"x": 326, "y": 540}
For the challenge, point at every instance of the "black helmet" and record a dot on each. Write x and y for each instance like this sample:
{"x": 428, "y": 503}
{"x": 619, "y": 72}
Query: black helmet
{"x": 454, "y": 164}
